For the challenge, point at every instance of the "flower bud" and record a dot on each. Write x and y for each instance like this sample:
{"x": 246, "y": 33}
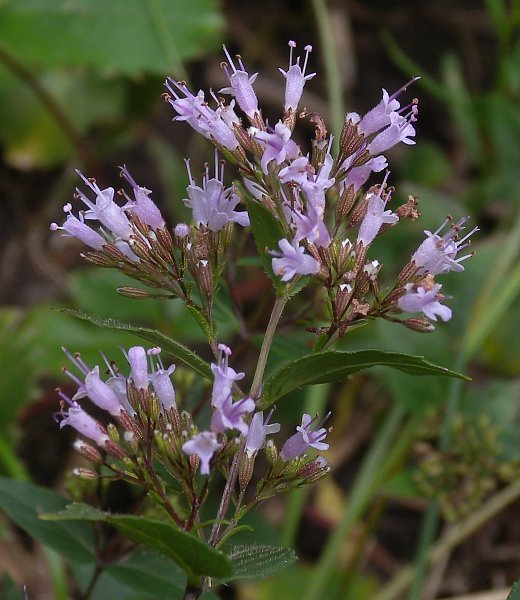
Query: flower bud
{"x": 86, "y": 474}
{"x": 420, "y": 325}
{"x": 271, "y": 452}
{"x": 345, "y": 203}
{"x": 113, "y": 433}
{"x": 246, "y": 471}
{"x": 132, "y": 292}
{"x": 87, "y": 451}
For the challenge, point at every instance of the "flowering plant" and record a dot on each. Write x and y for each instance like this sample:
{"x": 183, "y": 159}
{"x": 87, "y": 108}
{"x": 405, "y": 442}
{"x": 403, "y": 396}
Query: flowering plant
{"x": 313, "y": 225}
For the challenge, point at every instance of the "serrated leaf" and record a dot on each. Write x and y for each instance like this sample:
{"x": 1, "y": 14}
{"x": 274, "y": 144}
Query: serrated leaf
{"x": 179, "y": 351}
{"x": 323, "y": 367}
{"x": 24, "y": 502}
{"x": 252, "y": 562}
{"x": 267, "y": 232}
{"x": 121, "y": 36}
{"x": 77, "y": 511}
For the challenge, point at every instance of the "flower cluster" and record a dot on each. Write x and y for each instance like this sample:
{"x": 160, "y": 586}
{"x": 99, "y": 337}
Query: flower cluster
{"x": 145, "y": 421}
{"x": 310, "y": 203}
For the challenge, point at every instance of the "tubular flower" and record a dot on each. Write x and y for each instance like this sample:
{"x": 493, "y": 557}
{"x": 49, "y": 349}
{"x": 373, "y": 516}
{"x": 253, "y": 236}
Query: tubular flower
{"x": 305, "y": 438}
{"x": 292, "y": 261}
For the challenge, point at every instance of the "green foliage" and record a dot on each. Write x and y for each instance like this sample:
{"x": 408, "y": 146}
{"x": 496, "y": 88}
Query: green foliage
{"x": 127, "y": 37}
{"x": 24, "y": 503}
{"x": 182, "y": 353}
{"x": 251, "y": 562}
{"x": 514, "y": 594}
{"x": 323, "y": 367}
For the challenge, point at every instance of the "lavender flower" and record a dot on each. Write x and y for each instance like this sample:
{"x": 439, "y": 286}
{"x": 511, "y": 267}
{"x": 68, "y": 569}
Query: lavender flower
{"x": 310, "y": 226}
{"x": 160, "y": 379}
{"x": 100, "y": 393}
{"x": 297, "y": 171}
{"x": 82, "y": 422}
{"x": 437, "y": 255}
{"x": 316, "y": 185}
{"x": 136, "y": 357}
{"x": 241, "y": 86}
{"x": 357, "y": 176}
{"x": 400, "y": 130}
{"x": 258, "y": 430}
{"x": 203, "y": 445}
{"x": 375, "y": 217}
{"x": 292, "y": 261}
{"x": 295, "y": 78}
{"x": 304, "y": 439}
{"x": 105, "y": 210}
{"x": 212, "y": 204}
{"x": 230, "y": 415}
{"x": 224, "y": 375}
{"x": 143, "y": 206}
{"x": 426, "y": 301}
{"x": 278, "y": 146}
{"x": 77, "y": 228}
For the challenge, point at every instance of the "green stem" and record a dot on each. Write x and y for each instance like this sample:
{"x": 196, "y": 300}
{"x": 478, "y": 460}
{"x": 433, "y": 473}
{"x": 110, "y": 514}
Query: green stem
{"x": 367, "y": 480}
{"x": 453, "y": 537}
{"x": 278, "y": 307}
{"x": 332, "y": 70}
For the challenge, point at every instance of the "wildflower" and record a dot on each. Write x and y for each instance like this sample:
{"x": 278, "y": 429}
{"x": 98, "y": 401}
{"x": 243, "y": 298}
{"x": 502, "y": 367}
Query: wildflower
{"x": 100, "y": 393}
{"x": 136, "y": 357}
{"x": 144, "y": 207}
{"x": 292, "y": 261}
{"x": 278, "y": 145}
{"x": 214, "y": 125}
{"x": 77, "y": 228}
{"x": 296, "y": 172}
{"x": 426, "y": 301}
{"x": 160, "y": 379}
{"x": 181, "y": 230}
{"x": 295, "y": 78}
{"x": 105, "y": 210}
{"x": 399, "y": 130}
{"x": 230, "y": 415}
{"x": 304, "y": 439}
{"x": 258, "y": 430}
{"x": 204, "y": 445}
{"x": 310, "y": 226}
{"x": 224, "y": 375}
{"x": 212, "y": 204}
{"x": 316, "y": 185}
{"x": 241, "y": 86}
{"x": 437, "y": 254}
{"x": 375, "y": 217}
{"x": 357, "y": 176}
{"x": 83, "y": 423}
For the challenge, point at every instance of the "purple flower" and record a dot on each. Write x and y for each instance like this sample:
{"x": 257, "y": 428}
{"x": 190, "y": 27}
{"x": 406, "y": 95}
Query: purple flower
{"x": 77, "y": 228}
{"x": 316, "y": 185}
{"x": 241, "y": 86}
{"x": 375, "y": 217}
{"x": 310, "y": 226}
{"x": 258, "y": 430}
{"x": 224, "y": 376}
{"x": 437, "y": 255}
{"x": 215, "y": 125}
{"x": 357, "y": 176}
{"x": 278, "y": 145}
{"x": 181, "y": 230}
{"x": 425, "y": 301}
{"x": 230, "y": 415}
{"x": 297, "y": 171}
{"x": 82, "y": 422}
{"x": 105, "y": 210}
{"x": 204, "y": 445}
{"x": 292, "y": 261}
{"x": 212, "y": 204}
{"x": 161, "y": 381}
{"x": 295, "y": 78}
{"x": 400, "y": 130}
{"x": 137, "y": 360}
{"x": 380, "y": 115}
{"x": 304, "y": 439}
{"x": 144, "y": 207}
{"x": 100, "y": 393}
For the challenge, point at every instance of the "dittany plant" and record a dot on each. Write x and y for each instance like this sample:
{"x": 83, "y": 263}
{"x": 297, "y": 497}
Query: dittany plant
{"x": 313, "y": 224}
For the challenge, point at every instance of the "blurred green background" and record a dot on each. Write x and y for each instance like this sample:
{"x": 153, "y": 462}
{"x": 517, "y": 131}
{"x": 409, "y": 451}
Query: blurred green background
{"x": 80, "y": 87}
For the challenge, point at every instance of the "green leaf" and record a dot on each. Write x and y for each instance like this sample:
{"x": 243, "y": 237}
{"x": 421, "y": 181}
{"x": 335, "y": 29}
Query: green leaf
{"x": 193, "y": 555}
{"x": 323, "y": 367}
{"x": 77, "y": 511}
{"x": 185, "y": 355}
{"x": 24, "y": 502}
{"x": 514, "y": 594}
{"x": 267, "y": 232}
{"x": 121, "y": 36}
{"x": 252, "y": 562}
